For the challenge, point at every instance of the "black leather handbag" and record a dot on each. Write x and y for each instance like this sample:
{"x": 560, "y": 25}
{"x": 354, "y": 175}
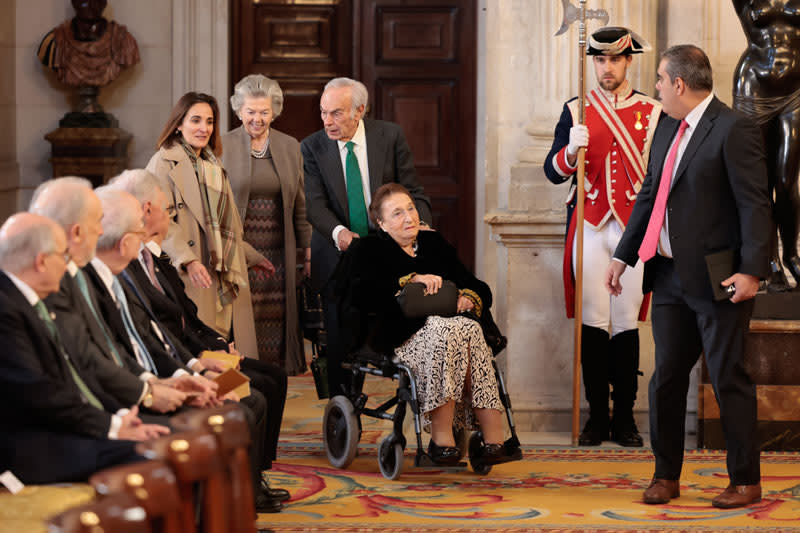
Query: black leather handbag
{"x": 415, "y": 302}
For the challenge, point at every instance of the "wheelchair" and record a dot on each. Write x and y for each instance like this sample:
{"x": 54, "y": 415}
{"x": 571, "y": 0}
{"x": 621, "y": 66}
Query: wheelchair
{"x": 341, "y": 425}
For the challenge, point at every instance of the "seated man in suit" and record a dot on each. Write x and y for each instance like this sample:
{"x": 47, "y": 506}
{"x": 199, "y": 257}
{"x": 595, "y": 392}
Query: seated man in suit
{"x": 56, "y": 426}
{"x": 70, "y": 202}
{"x": 132, "y": 317}
{"x": 180, "y": 318}
{"x": 344, "y": 164}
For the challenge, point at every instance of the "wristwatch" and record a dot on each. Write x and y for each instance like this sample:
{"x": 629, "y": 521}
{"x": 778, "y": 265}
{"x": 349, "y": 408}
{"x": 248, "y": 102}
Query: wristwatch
{"x": 148, "y": 397}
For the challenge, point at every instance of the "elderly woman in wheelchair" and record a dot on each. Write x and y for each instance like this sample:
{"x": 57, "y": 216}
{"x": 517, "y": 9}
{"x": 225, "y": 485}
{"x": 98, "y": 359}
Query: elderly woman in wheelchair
{"x": 456, "y": 380}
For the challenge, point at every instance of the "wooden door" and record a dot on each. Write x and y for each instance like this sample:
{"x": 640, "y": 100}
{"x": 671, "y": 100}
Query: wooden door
{"x": 418, "y": 61}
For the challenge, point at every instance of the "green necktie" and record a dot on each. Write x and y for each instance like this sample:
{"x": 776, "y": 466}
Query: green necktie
{"x": 41, "y": 310}
{"x": 355, "y": 193}
{"x": 84, "y": 287}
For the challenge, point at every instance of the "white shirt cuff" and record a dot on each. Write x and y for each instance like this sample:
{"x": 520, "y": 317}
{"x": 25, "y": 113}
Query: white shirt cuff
{"x": 116, "y": 424}
{"x": 180, "y": 372}
{"x": 147, "y": 376}
{"x": 336, "y": 231}
{"x": 192, "y": 362}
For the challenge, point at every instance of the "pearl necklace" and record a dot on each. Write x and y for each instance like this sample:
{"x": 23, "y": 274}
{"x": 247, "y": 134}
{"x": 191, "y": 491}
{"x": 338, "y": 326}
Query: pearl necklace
{"x": 260, "y": 154}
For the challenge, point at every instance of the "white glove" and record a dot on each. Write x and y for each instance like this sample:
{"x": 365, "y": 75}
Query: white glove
{"x": 578, "y": 137}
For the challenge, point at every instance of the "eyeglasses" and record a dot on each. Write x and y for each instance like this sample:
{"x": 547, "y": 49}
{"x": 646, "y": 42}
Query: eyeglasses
{"x": 65, "y": 255}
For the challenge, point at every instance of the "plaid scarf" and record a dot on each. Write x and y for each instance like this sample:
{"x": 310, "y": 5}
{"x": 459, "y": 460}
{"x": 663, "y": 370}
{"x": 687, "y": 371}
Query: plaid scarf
{"x": 223, "y": 241}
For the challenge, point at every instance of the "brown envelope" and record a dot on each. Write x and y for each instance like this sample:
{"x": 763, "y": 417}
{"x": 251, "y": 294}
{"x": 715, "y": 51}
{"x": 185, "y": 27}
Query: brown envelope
{"x": 233, "y": 380}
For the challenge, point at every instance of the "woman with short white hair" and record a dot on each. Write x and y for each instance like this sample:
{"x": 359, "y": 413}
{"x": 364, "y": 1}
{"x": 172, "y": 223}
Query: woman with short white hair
{"x": 266, "y": 174}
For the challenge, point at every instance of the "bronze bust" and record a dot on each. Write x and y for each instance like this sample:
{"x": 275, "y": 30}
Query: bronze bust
{"x": 88, "y": 51}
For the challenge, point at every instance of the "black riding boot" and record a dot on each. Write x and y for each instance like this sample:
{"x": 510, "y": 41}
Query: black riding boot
{"x": 594, "y": 363}
{"x": 624, "y": 374}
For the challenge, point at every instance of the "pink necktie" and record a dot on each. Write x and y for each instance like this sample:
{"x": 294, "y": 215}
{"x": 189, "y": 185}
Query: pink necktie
{"x": 151, "y": 271}
{"x": 647, "y": 250}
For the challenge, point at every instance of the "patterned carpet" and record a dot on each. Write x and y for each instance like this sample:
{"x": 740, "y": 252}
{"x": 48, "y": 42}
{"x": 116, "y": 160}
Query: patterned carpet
{"x": 553, "y": 489}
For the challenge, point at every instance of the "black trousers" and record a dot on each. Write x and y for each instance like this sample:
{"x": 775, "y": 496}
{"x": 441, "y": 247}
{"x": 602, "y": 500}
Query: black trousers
{"x": 271, "y": 381}
{"x": 255, "y": 411}
{"x": 37, "y": 457}
{"x": 683, "y": 328}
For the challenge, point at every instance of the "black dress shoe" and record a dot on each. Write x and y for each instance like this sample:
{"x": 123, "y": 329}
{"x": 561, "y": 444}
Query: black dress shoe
{"x": 592, "y": 435}
{"x": 265, "y": 504}
{"x": 275, "y": 494}
{"x": 493, "y": 454}
{"x": 629, "y": 438}
{"x": 443, "y": 455}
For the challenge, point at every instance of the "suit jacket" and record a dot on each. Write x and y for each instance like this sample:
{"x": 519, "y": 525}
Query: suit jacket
{"x": 170, "y": 341}
{"x": 84, "y": 340}
{"x": 165, "y": 307}
{"x": 186, "y": 241}
{"x": 37, "y": 391}
{"x": 200, "y": 333}
{"x": 166, "y": 365}
{"x": 285, "y": 151}
{"x": 718, "y": 200}
{"x": 389, "y": 160}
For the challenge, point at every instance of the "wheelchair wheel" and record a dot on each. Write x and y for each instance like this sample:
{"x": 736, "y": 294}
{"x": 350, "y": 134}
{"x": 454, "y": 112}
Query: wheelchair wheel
{"x": 340, "y": 432}
{"x": 390, "y": 458}
{"x": 475, "y": 446}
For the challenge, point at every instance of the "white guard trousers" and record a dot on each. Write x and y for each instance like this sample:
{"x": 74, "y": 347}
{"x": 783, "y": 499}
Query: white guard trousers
{"x": 600, "y": 309}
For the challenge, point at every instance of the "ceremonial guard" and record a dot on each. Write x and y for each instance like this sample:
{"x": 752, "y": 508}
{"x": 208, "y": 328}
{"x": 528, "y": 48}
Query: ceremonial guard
{"x": 618, "y": 130}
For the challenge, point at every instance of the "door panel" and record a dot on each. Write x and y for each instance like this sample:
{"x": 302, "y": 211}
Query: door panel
{"x": 418, "y": 61}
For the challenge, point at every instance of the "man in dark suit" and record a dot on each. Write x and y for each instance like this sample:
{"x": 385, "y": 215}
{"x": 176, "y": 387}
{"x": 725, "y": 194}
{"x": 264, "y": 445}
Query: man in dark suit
{"x": 123, "y": 231}
{"x": 70, "y": 202}
{"x": 177, "y": 314}
{"x": 344, "y": 164}
{"x": 57, "y": 424}
{"x": 705, "y": 192}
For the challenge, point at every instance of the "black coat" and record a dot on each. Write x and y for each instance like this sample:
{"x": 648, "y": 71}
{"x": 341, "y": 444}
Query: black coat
{"x": 368, "y": 280}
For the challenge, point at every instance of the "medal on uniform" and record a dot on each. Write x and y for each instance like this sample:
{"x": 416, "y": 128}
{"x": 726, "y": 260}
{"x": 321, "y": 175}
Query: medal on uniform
{"x": 638, "y": 124}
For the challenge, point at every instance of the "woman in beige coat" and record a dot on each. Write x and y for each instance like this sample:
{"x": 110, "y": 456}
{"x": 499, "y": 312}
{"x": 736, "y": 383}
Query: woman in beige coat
{"x": 205, "y": 236}
{"x": 266, "y": 173}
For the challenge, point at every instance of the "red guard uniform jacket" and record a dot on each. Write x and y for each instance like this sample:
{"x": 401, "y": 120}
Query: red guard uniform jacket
{"x": 615, "y": 163}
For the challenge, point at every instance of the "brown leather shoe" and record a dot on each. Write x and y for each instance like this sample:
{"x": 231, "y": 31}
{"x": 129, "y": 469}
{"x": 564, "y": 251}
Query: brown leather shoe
{"x": 661, "y": 491}
{"x": 738, "y": 496}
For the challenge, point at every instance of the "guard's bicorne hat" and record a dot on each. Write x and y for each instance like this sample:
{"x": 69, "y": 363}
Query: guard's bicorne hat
{"x": 614, "y": 41}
